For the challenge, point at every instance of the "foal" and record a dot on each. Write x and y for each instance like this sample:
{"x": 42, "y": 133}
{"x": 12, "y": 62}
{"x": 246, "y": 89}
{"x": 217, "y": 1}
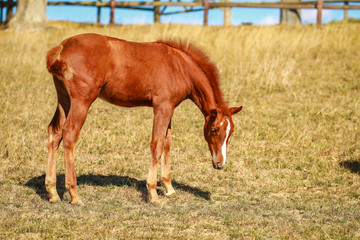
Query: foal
{"x": 159, "y": 74}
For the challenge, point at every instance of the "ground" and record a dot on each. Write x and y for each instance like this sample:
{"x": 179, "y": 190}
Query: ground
{"x": 293, "y": 161}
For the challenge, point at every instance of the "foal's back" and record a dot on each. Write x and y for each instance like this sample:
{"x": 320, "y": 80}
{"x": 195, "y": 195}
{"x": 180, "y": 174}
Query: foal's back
{"x": 128, "y": 73}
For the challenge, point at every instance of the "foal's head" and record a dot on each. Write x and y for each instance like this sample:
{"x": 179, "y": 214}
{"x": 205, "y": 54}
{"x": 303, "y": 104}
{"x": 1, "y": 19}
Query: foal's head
{"x": 217, "y": 131}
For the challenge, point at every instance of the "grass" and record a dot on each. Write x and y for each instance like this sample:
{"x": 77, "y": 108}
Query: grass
{"x": 294, "y": 158}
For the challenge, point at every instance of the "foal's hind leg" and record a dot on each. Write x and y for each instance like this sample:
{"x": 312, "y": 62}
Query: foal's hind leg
{"x": 71, "y": 131}
{"x": 165, "y": 166}
{"x": 55, "y": 136}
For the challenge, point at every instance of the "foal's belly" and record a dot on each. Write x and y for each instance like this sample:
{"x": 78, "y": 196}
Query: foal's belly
{"x": 126, "y": 97}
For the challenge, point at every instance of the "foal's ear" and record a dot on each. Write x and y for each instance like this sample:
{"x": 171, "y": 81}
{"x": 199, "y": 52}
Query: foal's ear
{"x": 235, "y": 110}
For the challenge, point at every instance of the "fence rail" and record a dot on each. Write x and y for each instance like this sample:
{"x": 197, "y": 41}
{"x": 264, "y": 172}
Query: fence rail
{"x": 282, "y": 5}
{"x": 204, "y": 5}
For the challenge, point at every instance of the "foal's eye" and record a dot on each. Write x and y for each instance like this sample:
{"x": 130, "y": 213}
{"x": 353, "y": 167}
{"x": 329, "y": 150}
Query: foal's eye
{"x": 213, "y": 131}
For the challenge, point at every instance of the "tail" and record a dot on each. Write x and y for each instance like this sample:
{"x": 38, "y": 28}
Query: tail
{"x": 56, "y": 66}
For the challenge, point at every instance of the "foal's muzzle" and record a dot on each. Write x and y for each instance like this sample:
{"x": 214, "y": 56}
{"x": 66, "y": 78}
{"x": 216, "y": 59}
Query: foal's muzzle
{"x": 219, "y": 166}
{"x": 216, "y": 164}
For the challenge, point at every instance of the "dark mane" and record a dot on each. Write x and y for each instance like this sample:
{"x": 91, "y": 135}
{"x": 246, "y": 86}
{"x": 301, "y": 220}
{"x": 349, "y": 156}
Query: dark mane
{"x": 205, "y": 64}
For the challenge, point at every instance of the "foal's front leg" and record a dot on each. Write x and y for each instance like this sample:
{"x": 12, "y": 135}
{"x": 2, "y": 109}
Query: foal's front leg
{"x": 165, "y": 166}
{"x": 162, "y": 116}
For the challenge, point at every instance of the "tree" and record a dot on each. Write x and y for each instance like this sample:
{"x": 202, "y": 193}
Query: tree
{"x": 290, "y": 16}
{"x": 30, "y": 15}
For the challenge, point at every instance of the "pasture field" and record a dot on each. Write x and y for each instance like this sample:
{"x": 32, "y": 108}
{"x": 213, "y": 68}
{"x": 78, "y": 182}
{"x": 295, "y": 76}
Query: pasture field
{"x": 293, "y": 167}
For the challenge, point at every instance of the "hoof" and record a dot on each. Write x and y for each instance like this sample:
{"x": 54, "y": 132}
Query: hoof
{"x": 169, "y": 193}
{"x": 154, "y": 199}
{"x": 77, "y": 202}
{"x": 54, "y": 199}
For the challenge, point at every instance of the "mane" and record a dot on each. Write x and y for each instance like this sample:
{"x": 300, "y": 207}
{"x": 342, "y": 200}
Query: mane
{"x": 205, "y": 64}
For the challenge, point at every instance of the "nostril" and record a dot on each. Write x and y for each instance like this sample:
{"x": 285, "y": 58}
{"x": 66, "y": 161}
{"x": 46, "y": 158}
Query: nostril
{"x": 218, "y": 164}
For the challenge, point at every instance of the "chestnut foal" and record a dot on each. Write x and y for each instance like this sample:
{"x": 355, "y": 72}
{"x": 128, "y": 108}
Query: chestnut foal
{"x": 159, "y": 74}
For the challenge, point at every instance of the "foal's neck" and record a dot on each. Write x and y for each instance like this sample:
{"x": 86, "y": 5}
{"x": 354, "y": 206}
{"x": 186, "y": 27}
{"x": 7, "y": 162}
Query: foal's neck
{"x": 204, "y": 97}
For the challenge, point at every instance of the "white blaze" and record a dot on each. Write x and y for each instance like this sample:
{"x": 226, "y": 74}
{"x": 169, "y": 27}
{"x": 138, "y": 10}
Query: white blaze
{"x": 223, "y": 147}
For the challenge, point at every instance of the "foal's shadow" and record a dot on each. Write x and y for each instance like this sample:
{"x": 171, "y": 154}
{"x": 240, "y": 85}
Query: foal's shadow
{"x": 38, "y": 183}
{"x": 352, "y": 164}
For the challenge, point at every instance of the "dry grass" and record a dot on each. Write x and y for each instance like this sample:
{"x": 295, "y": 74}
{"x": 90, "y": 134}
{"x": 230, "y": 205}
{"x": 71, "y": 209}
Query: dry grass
{"x": 294, "y": 159}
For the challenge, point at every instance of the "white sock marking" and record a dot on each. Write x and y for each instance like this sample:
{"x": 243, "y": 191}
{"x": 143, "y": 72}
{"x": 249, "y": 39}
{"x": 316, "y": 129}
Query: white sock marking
{"x": 223, "y": 147}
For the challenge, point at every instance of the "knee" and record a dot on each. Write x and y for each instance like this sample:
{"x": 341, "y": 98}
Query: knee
{"x": 54, "y": 139}
{"x": 156, "y": 150}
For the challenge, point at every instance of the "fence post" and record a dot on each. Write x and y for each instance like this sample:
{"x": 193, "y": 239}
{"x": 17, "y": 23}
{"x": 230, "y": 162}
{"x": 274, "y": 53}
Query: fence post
{"x": 227, "y": 14}
{"x": 156, "y": 13}
{"x": 206, "y": 12}
{"x": 319, "y": 12}
{"x": 98, "y": 12}
{"x": 346, "y": 12}
{"x": 112, "y": 10}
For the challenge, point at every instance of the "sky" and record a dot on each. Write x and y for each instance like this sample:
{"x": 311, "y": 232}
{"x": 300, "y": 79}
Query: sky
{"x": 239, "y": 15}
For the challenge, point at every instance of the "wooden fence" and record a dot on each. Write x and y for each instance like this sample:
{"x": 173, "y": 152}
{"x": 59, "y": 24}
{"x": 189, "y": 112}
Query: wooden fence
{"x": 197, "y": 5}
